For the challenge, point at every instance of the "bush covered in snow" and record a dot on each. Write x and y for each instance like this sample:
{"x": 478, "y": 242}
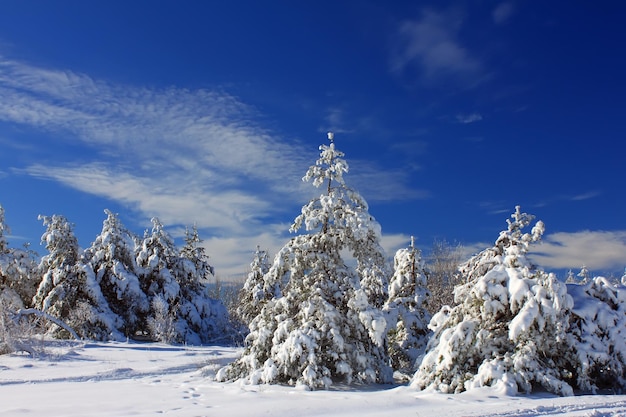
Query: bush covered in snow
{"x": 15, "y": 334}
{"x": 598, "y": 326}
{"x": 510, "y": 326}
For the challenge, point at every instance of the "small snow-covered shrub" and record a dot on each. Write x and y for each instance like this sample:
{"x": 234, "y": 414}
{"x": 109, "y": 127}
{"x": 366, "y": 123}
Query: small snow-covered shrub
{"x": 17, "y": 334}
{"x": 161, "y": 324}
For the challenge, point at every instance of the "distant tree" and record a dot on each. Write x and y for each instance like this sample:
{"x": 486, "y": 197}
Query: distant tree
{"x": 253, "y": 295}
{"x": 571, "y": 278}
{"x": 584, "y": 275}
{"x": 442, "y": 273}
{"x": 69, "y": 290}
{"x": 509, "y": 327}
{"x": 112, "y": 258}
{"x": 407, "y": 315}
{"x": 321, "y": 326}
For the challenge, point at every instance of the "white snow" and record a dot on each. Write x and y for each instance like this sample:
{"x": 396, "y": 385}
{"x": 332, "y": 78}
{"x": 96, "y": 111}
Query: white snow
{"x": 132, "y": 379}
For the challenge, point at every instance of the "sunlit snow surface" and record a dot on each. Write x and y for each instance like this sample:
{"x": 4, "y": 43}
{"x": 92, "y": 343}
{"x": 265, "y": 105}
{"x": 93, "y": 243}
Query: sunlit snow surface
{"x": 132, "y": 379}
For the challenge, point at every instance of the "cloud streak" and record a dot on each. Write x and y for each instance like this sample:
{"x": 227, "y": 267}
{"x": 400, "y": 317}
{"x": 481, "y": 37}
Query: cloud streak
{"x": 186, "y": 156}
{"x": 469, "y": 118}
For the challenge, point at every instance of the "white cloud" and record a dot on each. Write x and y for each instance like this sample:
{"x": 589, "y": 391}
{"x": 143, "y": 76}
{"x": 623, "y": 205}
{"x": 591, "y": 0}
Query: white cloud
{"x": 185, "y": 156}
{"x": 391, "y": 243}
{"x": 236, "y": 253}
{"x": 469, "y": 118}
{"x": 175, "y": 200}
{"x": 200, "y": 128}
{"x": 602, "y": 251}
{"x": 503, "y": 12}
{"x": 431, "y": 45}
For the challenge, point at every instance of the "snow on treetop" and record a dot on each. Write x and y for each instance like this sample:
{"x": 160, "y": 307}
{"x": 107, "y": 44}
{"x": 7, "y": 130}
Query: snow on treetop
{"x": 329, "y": 166}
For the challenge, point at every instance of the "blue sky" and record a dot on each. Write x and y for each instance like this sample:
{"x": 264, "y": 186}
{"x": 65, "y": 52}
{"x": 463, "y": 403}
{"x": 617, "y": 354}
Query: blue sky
{"x": 450, "y": 115}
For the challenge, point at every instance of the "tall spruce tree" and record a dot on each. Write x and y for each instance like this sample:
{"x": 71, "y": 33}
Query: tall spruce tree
{"x": 406, "y": 310}
{"x": 112, "y": 257}
{"x": 157, "y": 259}
{"x": 253, "y": 295}
{"x": 69, "y": 290}
{"x": 322, "y": 325}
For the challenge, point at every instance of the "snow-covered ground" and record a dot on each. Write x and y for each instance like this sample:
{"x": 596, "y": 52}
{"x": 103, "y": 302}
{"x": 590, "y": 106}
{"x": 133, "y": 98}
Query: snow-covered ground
{"x": 133, "y": 379}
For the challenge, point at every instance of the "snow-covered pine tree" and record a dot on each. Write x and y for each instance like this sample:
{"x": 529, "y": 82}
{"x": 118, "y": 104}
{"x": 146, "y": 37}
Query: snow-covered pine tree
{"x": 584, "y": 275}
{"x": 406, "y": 312}
{"x": 69, "y": 290}
{"x": 112, "y": 257}
{"x": 158, "y": 262}
{"x": 598, "y": 326}
{"x": 17, "y": 269}
{"x": 509, "y": 328}
{"x": 571, "y": 278}
{"x": 194, "y": 252}
{"x": 252, "y": 296}
{"x": 18, "y": 284}
{"x": 199, "y": 319}
{"x": 322, "y": 327}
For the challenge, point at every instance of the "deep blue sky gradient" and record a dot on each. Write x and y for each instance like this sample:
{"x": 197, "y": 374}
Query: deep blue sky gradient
{"x": 450, "y": 114}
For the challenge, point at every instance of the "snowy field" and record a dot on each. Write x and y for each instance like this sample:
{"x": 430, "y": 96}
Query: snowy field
{"x": 133, "y": 379}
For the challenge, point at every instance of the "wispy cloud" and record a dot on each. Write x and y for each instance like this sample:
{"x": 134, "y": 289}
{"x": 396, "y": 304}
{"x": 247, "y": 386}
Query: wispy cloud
{"x": 469, "y": 118}
{"x": 335, "y": 121}
{"x": 503, "y": 12}
{"x": 602, "y": 251}
{"x": 585, "y": 196}
{"x": 431, "y": 46}
{"x": 367, "y": 179}
{"x": 206, "y": 127}
{"x": 497, "y": 207}
{"x": 186, "y": 156}
{"x": 178, "y": 199}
